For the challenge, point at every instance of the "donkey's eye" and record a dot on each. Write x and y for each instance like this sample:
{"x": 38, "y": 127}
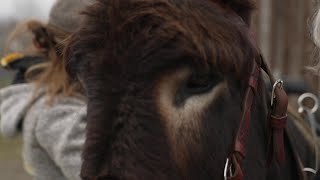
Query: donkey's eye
{"x": 198, "y": 84}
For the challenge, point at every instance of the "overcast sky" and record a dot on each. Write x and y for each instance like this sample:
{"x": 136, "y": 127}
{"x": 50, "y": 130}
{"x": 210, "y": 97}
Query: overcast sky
{"x": 24, "y": 9}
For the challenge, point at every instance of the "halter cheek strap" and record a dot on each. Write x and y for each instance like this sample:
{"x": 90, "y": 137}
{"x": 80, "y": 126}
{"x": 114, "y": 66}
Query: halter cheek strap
{"x": 277, "y": 120}
{"x": 277, "y": 117}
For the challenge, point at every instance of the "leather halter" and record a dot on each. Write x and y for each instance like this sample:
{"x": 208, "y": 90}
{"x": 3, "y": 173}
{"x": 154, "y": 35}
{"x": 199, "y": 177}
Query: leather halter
{"x": 276, "y": 119}
{"x": 277, "y": 122}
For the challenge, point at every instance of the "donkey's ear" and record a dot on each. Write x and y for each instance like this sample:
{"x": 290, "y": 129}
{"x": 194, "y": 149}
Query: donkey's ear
{"x": 243, "y": 8}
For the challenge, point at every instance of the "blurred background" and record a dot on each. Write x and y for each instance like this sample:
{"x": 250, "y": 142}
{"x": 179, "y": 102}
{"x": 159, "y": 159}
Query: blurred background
{"x": 13, "y": 12}
{"x": 282, "y": 33}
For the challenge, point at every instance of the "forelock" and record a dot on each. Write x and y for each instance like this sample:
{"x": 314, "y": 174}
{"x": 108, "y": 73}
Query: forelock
{"x": 200, "y": 29}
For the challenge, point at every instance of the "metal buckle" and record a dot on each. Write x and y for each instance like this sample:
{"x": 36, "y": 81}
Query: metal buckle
{"x": 227, "y": 173}
{"x": 279, "y": 83}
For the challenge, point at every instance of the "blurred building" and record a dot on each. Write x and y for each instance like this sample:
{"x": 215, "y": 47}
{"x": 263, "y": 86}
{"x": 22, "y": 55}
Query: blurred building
{"x": 283, "y": 34}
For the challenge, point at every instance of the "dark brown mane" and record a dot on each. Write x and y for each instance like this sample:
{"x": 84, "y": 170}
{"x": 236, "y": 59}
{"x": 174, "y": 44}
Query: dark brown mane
{"x": 149, "y": 25}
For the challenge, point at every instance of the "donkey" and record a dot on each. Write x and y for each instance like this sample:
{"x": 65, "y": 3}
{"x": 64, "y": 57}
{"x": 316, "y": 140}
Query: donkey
{"x": 165, "y": 82}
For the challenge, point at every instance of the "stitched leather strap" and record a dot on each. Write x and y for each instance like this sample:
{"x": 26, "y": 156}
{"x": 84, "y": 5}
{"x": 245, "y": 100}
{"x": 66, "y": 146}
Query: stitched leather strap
{"x": 277, "y": 120}
{"x": 278, "y": 125}
{"x": 242, "y": 133}
{"x": 239, "y": 149}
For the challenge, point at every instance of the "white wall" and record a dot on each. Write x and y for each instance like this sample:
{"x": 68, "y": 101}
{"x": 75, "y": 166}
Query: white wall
{"x": 24, "y": 9}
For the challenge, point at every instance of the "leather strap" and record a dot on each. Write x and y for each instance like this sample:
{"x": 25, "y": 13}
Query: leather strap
{"x": 277, "y": 120}
{"x": 239, "y": 149}
{"x": 242, "y": 133}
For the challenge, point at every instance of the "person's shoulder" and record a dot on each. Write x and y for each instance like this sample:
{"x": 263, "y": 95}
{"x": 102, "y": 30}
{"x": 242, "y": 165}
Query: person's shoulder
{"x": 17, "y": 89}
{"x": 61, "y": 107}
{"x": 64, "y": 114}
{"x": 20, "y": 92}
{"x": 14, "y": 103}
{"x": 75, "y": 101}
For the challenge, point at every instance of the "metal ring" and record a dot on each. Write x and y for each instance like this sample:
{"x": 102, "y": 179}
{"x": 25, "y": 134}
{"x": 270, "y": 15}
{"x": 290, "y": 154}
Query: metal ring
{"x": 225, "y": 171}
{"x": 311, "y": 96}
{"x": 310, "y": 170}
{"x": 278, "y": 82}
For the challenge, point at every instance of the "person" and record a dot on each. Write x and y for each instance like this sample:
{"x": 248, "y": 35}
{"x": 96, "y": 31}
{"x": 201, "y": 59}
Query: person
{"x": 50, "y": 109}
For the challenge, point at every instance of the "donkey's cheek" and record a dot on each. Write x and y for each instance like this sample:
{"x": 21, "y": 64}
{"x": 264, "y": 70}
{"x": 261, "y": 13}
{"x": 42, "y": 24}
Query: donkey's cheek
{"x": 190, "y": 114}
{"x": 183, "y": 123}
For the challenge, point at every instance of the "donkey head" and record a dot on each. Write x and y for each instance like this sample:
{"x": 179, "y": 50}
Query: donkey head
{"x": 164, "y": 81}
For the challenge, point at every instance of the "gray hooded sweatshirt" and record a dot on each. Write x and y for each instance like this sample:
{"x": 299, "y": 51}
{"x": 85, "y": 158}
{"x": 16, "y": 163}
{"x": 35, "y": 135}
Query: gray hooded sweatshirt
{"x": 53, "y": 135}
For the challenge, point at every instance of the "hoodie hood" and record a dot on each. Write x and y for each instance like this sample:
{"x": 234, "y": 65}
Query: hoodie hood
{"x": 15, "y": 101}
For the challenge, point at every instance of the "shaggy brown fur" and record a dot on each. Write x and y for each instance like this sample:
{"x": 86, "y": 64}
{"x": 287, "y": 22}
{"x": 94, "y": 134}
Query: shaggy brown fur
{"x": 146, "y": 64}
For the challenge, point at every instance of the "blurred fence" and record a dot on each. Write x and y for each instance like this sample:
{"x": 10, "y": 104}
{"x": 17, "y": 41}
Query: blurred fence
{"x": 283, "y": 35}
